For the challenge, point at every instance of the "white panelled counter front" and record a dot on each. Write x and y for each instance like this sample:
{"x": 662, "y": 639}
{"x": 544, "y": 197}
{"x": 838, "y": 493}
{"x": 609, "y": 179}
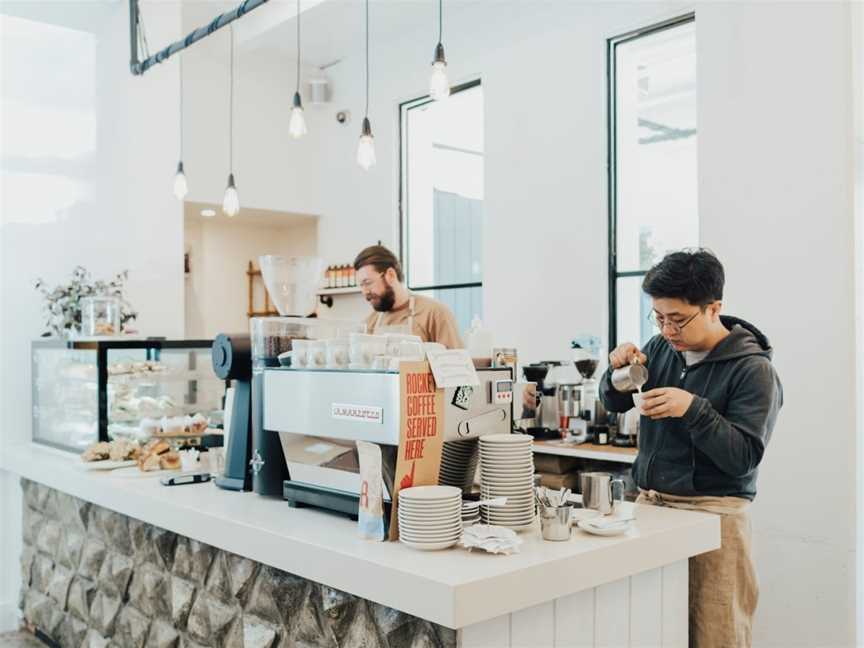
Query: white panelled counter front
{"x": 588, "y": 591}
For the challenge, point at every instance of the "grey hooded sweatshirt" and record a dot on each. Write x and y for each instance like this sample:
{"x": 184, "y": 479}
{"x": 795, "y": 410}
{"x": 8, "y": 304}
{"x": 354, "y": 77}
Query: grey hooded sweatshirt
{"x": 716, "y": 447}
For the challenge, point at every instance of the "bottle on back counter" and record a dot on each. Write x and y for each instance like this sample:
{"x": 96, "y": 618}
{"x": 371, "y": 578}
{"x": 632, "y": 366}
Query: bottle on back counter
{"x": 478, "y": 340}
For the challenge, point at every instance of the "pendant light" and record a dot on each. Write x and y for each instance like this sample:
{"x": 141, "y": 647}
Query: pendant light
{"x": 366, "y": 146}
{"x": 439, "y": 85}
{"x": 297, "y": 122}
{"x": 231, "y": 201}
{"x": 181, "y": 187}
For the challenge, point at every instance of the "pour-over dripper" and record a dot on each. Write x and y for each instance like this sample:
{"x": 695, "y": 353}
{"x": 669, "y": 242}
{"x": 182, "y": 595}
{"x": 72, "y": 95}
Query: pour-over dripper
{"x": 292, "y": 282}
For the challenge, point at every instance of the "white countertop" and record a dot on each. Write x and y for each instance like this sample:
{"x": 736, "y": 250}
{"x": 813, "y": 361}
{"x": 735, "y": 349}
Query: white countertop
{"x": 454, "y": 588}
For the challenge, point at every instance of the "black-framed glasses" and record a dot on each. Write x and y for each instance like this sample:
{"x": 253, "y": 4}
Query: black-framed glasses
{"x": 368, "y": 283}
{"x": 661, "y": 321}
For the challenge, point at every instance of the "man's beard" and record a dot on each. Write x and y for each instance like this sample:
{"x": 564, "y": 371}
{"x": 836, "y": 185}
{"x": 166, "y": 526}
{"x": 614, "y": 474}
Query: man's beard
{"x": 384, "y": 302}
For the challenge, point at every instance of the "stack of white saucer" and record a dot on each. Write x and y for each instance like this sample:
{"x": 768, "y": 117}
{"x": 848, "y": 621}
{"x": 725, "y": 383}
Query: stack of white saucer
{"x": 507, "y": 470}
{"x": 458, "y": 464}
{"x": 470, "y": 513}
{"x": 430, "y": 517}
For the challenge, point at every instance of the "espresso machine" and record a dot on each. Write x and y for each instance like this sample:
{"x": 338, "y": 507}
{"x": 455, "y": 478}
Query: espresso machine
{"x": 316, "y": 416}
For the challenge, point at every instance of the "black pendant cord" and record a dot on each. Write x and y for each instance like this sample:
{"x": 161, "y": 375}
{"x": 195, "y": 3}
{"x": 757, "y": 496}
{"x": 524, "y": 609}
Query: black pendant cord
{"x": 181, "y": 108}
{"x": 298, "y": 46}
{"x": 231, "y": 108}
{"x": 440, "y": 20}
{"x": 367, "y": 59}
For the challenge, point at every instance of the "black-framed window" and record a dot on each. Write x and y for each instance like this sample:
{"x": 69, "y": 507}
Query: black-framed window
{"x": 441, "y": 199}
{"x": 652, "y": 148}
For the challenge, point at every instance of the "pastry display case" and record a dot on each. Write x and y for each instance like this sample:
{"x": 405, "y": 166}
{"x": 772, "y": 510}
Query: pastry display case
{"x": 99, "y": 390}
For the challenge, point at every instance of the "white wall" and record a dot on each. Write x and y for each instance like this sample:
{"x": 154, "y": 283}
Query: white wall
{"x": 775, "y": 200}
{"x": 856, "y": 28}
{"x": 220, "y": 249}
{"x": 103, "y": 201}
{"x": 776, "y": 206}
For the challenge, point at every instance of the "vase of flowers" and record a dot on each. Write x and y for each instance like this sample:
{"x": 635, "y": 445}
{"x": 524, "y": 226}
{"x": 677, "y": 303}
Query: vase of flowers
{"x": 62, "y": 305}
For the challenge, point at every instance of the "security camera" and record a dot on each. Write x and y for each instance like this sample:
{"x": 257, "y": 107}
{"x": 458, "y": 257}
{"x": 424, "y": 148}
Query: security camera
{"x": 343, "y": 116}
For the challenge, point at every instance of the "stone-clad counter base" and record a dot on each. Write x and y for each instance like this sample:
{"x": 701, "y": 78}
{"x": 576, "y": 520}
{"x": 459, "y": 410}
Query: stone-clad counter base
{"x": 93, "y": 578}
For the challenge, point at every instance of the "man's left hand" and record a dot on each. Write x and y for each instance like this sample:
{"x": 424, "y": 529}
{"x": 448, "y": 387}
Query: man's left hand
{"x": 666, "y": 402}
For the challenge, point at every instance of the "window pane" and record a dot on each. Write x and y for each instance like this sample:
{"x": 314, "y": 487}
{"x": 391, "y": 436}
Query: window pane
{"x": 655, "y": 146}
{"x": 443, "y": 184}
{"x": 633, "y": 309}
{"x": 464, "y": 302}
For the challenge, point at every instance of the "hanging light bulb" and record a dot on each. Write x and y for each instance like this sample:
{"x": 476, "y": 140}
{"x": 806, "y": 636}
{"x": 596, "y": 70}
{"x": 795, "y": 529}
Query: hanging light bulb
{"x": 181, "y": 187}
{"x": 231, "y": 201}
{"x": 297, "y": 123}
{"x": 439, "y": 84}
{"x": 366, "y": 146}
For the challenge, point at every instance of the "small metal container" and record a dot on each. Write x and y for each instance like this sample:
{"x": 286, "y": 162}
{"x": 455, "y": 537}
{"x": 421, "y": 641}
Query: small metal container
{"x": 555, "y": 522}
{"x": 569, "y": 401}
{"x": 629, "y": 378}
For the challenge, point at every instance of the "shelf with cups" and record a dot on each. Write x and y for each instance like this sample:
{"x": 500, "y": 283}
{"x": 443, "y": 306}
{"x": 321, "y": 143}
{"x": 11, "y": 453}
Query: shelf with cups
{"x": 325, "y": 295}
{"x": 586, "y": 451}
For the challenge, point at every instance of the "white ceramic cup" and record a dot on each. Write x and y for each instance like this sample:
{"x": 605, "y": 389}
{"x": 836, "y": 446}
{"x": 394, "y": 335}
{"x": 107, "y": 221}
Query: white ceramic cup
{"x": 337, "y": 353}
{"x": 299, "y": 349}
{"x": 637, "y": 400}
{"x": 316, "y": 356}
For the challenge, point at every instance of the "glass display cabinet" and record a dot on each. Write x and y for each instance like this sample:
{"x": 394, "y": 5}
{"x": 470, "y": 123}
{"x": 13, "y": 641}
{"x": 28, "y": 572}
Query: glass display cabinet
{"x": 97, "y": 390}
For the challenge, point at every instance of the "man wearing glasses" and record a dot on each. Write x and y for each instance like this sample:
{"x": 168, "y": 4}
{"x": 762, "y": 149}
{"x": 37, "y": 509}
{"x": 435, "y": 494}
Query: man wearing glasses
{"x": 708, "y": 410}
{"x": 379, "y": 276}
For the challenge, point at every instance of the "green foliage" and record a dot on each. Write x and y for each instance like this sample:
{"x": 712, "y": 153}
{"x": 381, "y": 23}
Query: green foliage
{"x": 62, "y": 304}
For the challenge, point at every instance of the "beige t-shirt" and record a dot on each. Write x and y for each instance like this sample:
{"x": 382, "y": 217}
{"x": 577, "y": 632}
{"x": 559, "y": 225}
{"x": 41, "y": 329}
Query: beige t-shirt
{"x": 433, "y": 321}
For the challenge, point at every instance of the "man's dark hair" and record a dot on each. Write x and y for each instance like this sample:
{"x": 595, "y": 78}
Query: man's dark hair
{"x": 696, "y": 276}
{"x": 379, "y": 257}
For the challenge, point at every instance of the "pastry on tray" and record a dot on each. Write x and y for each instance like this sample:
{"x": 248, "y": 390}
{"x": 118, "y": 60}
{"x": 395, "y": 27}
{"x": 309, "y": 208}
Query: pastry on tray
{"x": 170, "y": 461}
{"x": 174, "y": 426}
{"x": 149, "y": 459}
{"x": 198, "y": 424}
{"x": 97, "y": 451}
{"x": 123, "y": 449}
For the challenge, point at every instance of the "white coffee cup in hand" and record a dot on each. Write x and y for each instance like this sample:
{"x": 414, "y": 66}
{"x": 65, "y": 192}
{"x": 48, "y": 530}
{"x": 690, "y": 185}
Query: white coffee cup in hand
{"x": 637, "y": 400}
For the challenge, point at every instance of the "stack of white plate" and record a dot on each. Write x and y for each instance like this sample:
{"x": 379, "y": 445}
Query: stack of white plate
{"x": 458, "y": 464}
{"x": 430, "y": 517}
{"x": 507, "y": 470}
{"x": 470, "y": 513}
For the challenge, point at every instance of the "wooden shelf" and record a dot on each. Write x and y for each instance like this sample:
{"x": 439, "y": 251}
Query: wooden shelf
{"x": 326, "y": 294}
{"x": 339, "y": 291}
{"x": 587, "y": 451}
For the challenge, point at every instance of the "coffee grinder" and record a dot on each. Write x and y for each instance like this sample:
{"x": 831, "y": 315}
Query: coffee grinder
{"x": 232, "y": 362}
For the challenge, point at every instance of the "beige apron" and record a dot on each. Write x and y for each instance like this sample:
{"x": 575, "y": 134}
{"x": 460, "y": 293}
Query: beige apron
{"x": 723, "y": 585}
{"x": 407, "y": 329}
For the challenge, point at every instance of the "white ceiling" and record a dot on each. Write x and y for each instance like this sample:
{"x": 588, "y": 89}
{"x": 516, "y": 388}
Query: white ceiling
{"x": 334, "y": 29}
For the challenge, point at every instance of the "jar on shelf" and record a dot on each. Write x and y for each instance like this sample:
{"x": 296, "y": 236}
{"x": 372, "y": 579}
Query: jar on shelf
{"x": 100, "y": 316}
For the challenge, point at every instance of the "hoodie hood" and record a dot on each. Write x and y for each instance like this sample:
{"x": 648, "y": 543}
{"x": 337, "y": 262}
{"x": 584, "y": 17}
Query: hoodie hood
{"x": 744, "y": 339}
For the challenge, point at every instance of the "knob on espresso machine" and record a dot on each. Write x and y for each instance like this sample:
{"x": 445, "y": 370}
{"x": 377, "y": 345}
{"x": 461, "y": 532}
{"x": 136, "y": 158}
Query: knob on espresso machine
{"x": 232, "y": 362}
